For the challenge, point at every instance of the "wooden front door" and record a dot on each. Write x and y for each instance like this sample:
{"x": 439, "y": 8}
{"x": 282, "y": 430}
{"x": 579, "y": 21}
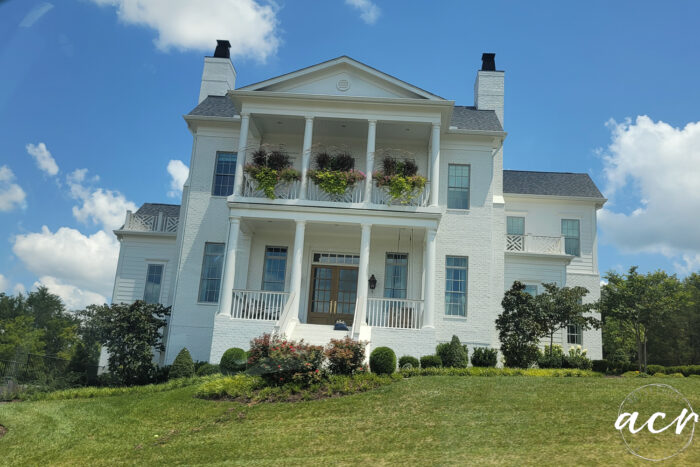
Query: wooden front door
{"x": 333, "y": 294}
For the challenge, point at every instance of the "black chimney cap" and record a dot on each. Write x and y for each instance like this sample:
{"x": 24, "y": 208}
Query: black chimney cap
{"x": 222, "y": 49}
{"x": 488, "y": 62}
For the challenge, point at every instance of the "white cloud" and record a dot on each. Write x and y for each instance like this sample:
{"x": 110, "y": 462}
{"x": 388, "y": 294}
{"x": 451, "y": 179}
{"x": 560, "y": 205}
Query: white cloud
{"x": 659, "y": 165}
{"x": 103, "y": 207}
{"x": 73, "y": 297}
{"x": 86, "y": 262}
{"x": 369, "y": 12}
{"x": 4, "y": 283}
{"x": 35, "y": 14}
{"x": 7, "y": 287}
{"x": 43, "y": 158}
{"x": 19, "y": 289}
{"x": 178, "y": 176}
{"x": 249, "y": 25}
{"x": 11, "y": 194}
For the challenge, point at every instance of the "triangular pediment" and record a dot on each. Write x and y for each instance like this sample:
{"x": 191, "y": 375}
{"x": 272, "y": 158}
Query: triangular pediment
{"x": 342, "y": 76}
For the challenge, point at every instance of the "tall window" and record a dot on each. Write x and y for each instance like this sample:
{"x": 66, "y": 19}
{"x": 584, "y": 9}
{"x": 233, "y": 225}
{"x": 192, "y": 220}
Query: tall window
{"x": 154, "y": 277}
{"x": 456, "y": 286}
{"x": 275, "y": 268}
{"x": 531, "y": 289}
{"x": 515, "y": 225}
{"x": 458, "y": 186}
{"x": 210, "y": 281}
{"x": 224, "y": 173}
{"x": 571, "y": 230}
{"x": 574, "y": 334}
{"x": 396, "y": 275}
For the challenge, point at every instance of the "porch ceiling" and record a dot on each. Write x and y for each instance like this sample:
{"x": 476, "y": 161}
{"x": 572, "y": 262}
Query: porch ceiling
{"x": 286, "y": 227}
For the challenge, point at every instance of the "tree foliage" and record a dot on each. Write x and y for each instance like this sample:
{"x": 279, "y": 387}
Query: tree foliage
{"x": 519, "y": 328}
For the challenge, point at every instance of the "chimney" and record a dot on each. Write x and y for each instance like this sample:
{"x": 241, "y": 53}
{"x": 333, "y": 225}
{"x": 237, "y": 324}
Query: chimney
{"x": 218, "y": 76}
{"x": 488, "y": 87}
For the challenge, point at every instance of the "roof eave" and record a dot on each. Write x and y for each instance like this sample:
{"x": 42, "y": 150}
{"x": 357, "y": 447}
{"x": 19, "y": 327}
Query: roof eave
{"x": 589, "y": 199}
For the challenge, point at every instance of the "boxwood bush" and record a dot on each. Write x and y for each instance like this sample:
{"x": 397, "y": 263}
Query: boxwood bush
{"x": 382, "y": 361}
{"x": 430, "y": 361}
{"x": 453, "y": 354}
{"x": 408, "y": 360}
{"x": 484, "y": 357}
{"x": 233, "y": 361}
{"x": 183, "y": 366}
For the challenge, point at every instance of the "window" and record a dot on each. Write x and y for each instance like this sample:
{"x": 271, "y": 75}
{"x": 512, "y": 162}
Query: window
{"x": 210, "y": 281}
{"x": 456, "y": 286}
{"x": 224, "y": 174}
{"x": 336, "y": 258}
{"x": 275, "y": 268}
{"x": 574, "y": 335}
{"x": 154, "y": 277}
{"x": 515, "y": 225}
{"x": 458, "y": 186}
{"x": 531, "y": 289}
{"x": 396, "y": 275}
{"x": 570, "y": 229}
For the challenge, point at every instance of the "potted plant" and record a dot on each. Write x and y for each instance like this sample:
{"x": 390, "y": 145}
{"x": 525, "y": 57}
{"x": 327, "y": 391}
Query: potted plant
{"x": 400, "y": 180}
{"x": 269, "y": 169}
{"x": 335, "y": 173}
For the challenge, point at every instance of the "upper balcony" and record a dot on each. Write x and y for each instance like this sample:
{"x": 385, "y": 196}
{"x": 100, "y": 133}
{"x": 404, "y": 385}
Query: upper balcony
{"x": 152, "y": 218}
{"x": 336, "y": 162}
{"x": 535, "y": 245}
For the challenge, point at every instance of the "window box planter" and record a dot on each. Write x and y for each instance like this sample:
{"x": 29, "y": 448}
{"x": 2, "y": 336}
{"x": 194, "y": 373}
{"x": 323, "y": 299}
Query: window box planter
{"x": 272, "y": 173}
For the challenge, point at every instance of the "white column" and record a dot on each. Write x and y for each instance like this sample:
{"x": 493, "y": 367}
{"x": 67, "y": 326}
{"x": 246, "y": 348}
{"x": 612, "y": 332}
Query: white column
{"x": 306, "y": 155}
{"x": 435, "y": 164}
{"x": 429, "y": 295}
{"x": 297, "y": 255}
{"x": 240, "y": 158}
{"x": 369, "y": 165}
{"x": 363, "y": 272}
{"x": 226, "y": 290}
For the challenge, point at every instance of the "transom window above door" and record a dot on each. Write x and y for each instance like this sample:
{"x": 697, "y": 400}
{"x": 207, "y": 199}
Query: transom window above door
{"x": 336, "y": 258}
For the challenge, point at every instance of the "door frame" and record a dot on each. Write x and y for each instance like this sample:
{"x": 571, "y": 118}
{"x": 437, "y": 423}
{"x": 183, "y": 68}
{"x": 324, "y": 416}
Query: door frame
{"x": 333, "y": 300}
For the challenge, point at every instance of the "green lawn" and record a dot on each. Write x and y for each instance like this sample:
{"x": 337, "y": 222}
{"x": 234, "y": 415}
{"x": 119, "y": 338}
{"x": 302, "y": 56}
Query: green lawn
{"x": 422, "y": 420}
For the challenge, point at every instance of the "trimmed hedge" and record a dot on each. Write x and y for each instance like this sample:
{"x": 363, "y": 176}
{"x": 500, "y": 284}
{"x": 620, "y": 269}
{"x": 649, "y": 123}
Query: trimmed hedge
{"x": 430, "y": 361}
{"x": 605, "y": 366}
{"x": 476, "y": 371}
{"x": 485, "y": 357}
{"x": 207, "y": 369}
{"x": 183, "y": 366}
{"x": 453, "y": 354}
{"x": 233, "y": 361}
{"x": 408, "y": 360}
{"x": 382, "y": 361}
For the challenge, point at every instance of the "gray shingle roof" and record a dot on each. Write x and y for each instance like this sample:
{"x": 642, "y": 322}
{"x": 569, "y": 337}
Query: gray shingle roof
{"x": 152, "y": 209}
{"x": 215, "y": 106}
{"x": 550, "y": 183}
{"x": 468, "y": 118}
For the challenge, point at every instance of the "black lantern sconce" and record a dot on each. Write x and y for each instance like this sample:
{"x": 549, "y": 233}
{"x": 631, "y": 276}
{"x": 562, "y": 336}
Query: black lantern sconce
{"x": 372, "y": 282}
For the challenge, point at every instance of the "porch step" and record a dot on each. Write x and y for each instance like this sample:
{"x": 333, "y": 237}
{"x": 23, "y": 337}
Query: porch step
{"x": 317, "y": 334}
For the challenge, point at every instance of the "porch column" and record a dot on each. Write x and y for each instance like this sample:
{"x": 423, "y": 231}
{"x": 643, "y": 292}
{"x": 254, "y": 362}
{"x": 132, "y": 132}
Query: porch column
{"x": 306, "y": 156}
{"x": 240, "y": 157}
{"x": 435, "y": 164}
{"x": 226, "y": 291}
{"x": 369, "y": 165}
{"x": 295, "y": 279}
{"x": 363, "y": 271}
{"x": 429, "y": 291}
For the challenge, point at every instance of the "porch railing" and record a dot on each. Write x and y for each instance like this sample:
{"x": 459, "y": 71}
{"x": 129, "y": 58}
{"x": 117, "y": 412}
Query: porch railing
{"x": 535, "y": 244}
{"x": 395, "y": 313}
{"x": 283, "y": 190}
{"x": 258, "y": 304}
{"x": 380, "y": 196}
{"x": 351, "y": 195}
{"x": 151, "y": 223}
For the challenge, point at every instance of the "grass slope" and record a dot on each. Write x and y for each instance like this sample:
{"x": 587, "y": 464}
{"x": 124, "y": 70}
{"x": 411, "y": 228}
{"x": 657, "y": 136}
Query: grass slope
{"x": 421, "y": 420}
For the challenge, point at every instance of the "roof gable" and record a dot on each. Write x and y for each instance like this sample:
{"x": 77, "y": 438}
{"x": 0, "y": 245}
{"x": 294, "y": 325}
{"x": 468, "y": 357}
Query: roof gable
{"x": 342, "y": 76}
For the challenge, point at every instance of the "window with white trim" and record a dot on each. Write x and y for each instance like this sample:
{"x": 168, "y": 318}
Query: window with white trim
{"x": 456, "y": 285}
{"x": 224, "y": 174}
{"x": 571, "y": 231}
{"x": 458, "y": 186}
{"x": 154, "y": 278}
{"x": 574, "y": 334}
{"x": 212, "y": 266}
{"x": 531, "y": 289}
{"x": 396, "y": 275}
{"x": 275, "y": 268}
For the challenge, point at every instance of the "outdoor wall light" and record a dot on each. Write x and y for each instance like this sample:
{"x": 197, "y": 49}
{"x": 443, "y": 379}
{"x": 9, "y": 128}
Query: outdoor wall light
{"x": 372, "y": 282}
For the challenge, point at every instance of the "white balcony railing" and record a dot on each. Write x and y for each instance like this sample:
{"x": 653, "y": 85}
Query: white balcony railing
{"x": 395, "y": 313}
{"x": 258, "y": 304}
{"x": 535, "y": 244}
{"x": 283, "y": 190}
{"x": 351, "y": 195}
{"x": 381, "y": 196}
{"x": 150, "y": 223}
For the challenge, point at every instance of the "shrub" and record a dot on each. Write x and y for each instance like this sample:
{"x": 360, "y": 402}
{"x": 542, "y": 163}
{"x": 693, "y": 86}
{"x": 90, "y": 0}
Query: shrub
{"x": 345, "y": 356}
{"x": 408, "y": 360}
{"x": 430, "y": 361}
{"x": 634, "y": 374}
{"x": 183, "y": 366}
{"x": 551, "y": 358}
{"x": 207, "y": 369}
{"x": 233, "y": 361}
{"x": 601, "y": 366}
{"x": 382, "y": 361}
{"x": 484, "y": 357}
{"x": 653, "y": 369}
{"x": 480, "y": 371}
{"x": 577, "y": 359}
{"x": 279, "y": 361}
{"x": 453, "y": 354}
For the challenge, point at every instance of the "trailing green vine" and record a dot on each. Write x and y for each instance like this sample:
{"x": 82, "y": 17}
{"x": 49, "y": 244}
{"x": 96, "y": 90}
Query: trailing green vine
{"x": 269, "y": 169}
{"x": 400, "y": 180}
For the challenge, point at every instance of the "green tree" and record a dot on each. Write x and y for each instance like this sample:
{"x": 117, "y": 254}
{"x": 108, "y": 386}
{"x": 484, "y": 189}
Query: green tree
{"x": 519, "y": 328}
{"x": 559, "y": 307}
{"x": 18, "y": 337}
{"x": 130, "y": 333}
{"x": 642, "y": 301}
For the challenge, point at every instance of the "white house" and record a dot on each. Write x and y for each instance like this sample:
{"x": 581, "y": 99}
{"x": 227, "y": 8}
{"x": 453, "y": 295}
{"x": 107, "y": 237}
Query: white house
{"x": 234, "y": 263}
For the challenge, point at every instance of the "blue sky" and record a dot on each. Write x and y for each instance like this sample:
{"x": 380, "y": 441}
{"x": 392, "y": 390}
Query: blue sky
{"x": 103, "y": 84}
